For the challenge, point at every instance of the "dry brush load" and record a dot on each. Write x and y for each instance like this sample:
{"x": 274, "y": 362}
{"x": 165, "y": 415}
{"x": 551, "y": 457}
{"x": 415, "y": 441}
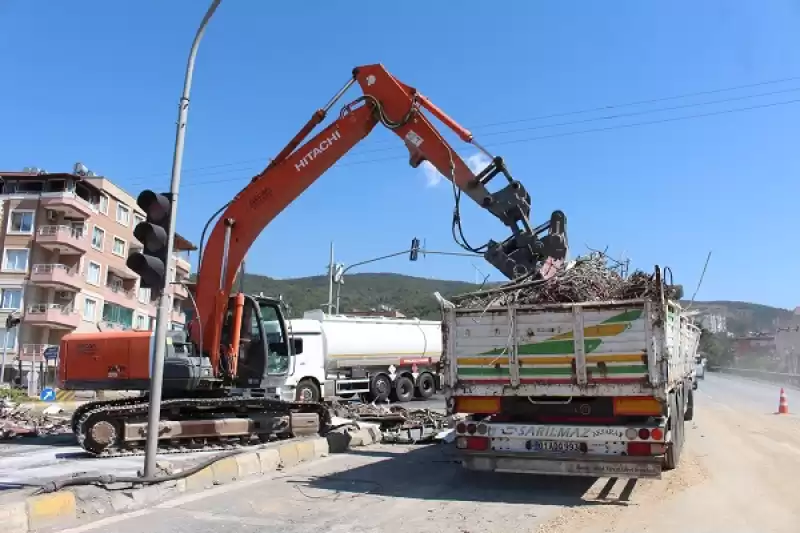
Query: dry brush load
{"x": 586, "y": 279}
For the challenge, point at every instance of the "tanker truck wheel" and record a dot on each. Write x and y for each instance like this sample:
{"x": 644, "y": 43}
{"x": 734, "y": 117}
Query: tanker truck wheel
{"x": 381, "y": 388}
{"x": 307, "y": 391}
{"x": 426, "y": 386}
{"x": 404, "y": 389}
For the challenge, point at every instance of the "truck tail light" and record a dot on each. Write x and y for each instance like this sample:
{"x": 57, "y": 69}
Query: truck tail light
{"x": 477, "y": 444}
{"x": 638, "y": 448}
{"x": 645, "y": 449}
{"x": 485, "y": 405}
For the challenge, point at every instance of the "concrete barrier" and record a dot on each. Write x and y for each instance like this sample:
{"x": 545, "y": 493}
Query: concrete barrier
{"x": 76, "y": 505}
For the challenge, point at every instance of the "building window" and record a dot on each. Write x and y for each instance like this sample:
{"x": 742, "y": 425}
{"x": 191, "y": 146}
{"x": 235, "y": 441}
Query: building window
{"x": 144, "y": 295}
{"x": 103, "y": 204}
{"x": 123, "y": 214}
{"x": 93, "y": 273}
{"x": 16, "y": 260}
{"x": 20, "y": 222}
{"x": 119, "y": 247}
{"x": 11, "y": 299}
{"x": 141, "y": 322}
{"x": 116, "y": 314}
{"x": 98, "y": 236}
{"x": 10, "y": 341}
{"x": 137, "y": 219}
{"x": 89, "y": 309}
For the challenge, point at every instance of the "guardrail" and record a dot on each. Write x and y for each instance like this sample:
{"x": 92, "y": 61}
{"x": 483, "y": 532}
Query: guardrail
{"x": 781, "y": 378}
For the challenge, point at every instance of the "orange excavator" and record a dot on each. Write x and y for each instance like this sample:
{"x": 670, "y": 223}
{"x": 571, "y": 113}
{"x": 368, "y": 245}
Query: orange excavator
{"x": 216, "y": 373}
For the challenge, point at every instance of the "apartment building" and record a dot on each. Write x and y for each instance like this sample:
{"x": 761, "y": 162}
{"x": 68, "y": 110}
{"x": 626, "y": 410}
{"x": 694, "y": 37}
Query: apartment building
{"x": 65, "y": 238}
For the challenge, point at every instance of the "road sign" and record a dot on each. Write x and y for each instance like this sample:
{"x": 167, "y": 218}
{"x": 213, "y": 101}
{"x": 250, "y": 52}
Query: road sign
{"x": 47, "y": 395}
{"x": 50, "y": 353}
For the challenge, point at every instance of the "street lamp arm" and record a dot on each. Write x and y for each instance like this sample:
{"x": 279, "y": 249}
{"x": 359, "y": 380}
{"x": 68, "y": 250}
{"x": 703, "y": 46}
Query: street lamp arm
{"x": 187, "y": 84}
{"x": 389, "y": 256}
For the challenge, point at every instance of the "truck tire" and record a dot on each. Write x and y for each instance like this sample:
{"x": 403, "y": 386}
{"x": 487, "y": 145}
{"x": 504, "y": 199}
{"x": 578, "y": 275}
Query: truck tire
{"x": 426, "y": 386}
{"x": 673, "y": 456}
{"x": 381, "y": 388}
{"x": 307, "y": 391}
{"x": 404, "y": 389}
{"x": 689, "y": 407}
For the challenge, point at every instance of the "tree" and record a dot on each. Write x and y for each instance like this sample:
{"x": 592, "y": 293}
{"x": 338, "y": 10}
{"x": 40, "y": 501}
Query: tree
{"x": 716, "y": 347}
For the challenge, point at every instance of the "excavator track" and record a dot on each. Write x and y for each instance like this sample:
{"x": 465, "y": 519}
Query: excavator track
{"x": 115, "y": 428}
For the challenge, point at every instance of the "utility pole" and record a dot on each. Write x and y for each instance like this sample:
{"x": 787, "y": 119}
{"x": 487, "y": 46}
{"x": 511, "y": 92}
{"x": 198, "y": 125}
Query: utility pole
{"x": 162, "y": 318}
{"x": 331, "y": 267}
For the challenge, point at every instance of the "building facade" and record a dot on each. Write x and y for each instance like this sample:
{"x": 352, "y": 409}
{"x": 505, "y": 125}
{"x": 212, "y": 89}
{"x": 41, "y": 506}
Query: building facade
{"x": 65, "y": 240}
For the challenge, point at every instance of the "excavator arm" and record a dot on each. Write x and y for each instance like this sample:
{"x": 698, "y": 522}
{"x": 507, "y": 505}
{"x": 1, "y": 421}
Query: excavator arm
{"x": 526, "y": 253}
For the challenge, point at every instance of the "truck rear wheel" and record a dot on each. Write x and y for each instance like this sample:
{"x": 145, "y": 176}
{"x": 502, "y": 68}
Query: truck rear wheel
{"x": 307, "y": 391}
{"x": 381, "y": 388}
{"x": 673, "y": 456}
{"x": 426, "y": 386}
{"x": 404, "y": 389}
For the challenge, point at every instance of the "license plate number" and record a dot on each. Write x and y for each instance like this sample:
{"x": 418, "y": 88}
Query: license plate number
{"x": 555, "y": 446}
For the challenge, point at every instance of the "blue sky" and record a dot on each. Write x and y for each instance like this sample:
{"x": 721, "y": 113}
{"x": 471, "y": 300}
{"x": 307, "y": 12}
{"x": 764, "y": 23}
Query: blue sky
{"x": 98, "y": 82}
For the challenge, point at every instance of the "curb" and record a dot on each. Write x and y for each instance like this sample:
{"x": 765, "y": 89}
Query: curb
{"x": 64, "y": 508}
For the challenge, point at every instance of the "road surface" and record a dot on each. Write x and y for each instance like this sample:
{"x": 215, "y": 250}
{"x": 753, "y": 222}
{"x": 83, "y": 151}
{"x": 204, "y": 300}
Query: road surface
{"x": 738, "y": 475}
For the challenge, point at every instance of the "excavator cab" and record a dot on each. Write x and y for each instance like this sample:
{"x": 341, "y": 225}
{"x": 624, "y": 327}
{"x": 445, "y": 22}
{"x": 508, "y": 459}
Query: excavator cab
{"x": 265, "y": 347}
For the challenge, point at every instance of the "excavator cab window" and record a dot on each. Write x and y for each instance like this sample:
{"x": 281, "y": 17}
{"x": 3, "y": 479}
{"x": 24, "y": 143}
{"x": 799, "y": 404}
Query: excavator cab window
{"x": 278, "y": 352}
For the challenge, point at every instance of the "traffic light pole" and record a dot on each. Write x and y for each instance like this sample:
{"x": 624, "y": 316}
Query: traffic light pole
{"x": 162, "y": 318}
{"x": 381, "y": 258}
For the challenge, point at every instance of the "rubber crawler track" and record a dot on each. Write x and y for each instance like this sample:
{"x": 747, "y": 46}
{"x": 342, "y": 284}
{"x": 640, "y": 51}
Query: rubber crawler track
{"x": 135, "y": 409}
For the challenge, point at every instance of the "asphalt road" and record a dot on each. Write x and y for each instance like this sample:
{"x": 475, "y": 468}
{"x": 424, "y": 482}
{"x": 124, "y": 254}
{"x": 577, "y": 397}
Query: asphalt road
{"x": 739, "y": 473}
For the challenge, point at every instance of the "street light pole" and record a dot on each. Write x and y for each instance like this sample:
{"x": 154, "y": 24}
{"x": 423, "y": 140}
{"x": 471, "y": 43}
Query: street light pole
{"x": 157, "y": 371}
{"x": 381, "y": 258}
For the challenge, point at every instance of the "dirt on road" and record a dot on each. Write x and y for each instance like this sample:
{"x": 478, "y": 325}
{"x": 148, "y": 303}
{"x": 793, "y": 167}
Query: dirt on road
{"x": 739, "y": 473}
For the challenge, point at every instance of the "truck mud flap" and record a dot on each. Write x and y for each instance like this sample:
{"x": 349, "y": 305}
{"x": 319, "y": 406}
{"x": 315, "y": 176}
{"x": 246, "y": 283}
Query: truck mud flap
{"x": 596, "y": 467}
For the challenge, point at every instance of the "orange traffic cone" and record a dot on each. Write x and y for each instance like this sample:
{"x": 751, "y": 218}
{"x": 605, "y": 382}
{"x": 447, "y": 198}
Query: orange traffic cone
{"x": 783, "y": 405}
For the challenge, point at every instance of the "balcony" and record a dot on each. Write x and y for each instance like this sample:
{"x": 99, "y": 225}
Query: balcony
{"x": 63, "y": 239}
{"x": 120, "y": 296}
{"x": 121, "y": 270}
{"x": 180, "y": 291}
{"x": 182, "y": 264}
{"x": 56, "y": 276}
{"x": 52, "y": 316}
{"x": 34, "y": 353}
{"x": 68, "y": 203}
{"x": 179, "y": 317}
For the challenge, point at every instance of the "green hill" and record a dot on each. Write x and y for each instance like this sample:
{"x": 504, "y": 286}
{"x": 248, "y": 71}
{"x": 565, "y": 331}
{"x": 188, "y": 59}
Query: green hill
{"x": 414, "y": 297}
{"x": 361, "y": 292}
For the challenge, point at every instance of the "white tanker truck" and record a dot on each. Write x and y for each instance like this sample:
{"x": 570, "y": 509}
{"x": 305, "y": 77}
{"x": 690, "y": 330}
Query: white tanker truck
{"x": 343, "y": 356}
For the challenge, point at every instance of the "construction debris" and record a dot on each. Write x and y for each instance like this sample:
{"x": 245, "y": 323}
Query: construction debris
{"x": 397, "y": 424}
{"x": 586, "y": 279}
{"x": 21, "y": 421}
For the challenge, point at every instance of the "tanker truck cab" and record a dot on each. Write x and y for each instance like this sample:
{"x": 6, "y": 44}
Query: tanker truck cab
{"x": 375, "y": 357}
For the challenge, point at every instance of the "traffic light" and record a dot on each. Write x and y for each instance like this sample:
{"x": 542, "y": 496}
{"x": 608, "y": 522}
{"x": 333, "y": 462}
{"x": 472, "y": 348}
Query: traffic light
{"x": 12, "y": 321}
{"x": 414, "y": 249}
{"x": 151, "y": 263}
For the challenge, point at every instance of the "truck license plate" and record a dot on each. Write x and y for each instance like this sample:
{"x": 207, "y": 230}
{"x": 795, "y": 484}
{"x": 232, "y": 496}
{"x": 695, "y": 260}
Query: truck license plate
{"x": 554, "y": 446}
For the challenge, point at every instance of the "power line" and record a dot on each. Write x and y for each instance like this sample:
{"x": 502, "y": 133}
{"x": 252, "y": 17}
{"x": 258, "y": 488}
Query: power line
{"x": 535, "y": 118}
{"x": 543, "y": 137}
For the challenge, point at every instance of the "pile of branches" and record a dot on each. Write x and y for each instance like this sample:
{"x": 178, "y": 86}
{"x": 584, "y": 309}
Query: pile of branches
{"x": 586, "y": 279}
